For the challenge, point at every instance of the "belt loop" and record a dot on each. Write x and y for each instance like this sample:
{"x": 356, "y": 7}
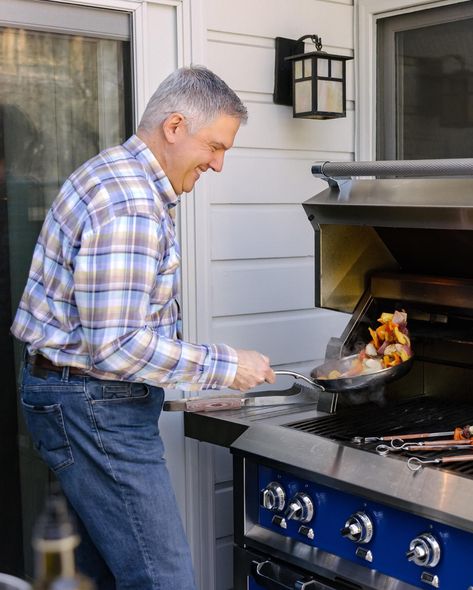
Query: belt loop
{"x": 23, "y": 365}
{"x": 65, "y": 374}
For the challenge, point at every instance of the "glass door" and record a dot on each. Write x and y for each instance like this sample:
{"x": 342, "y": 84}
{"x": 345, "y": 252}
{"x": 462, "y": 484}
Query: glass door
{"x": 425, "y": 84}
{"x": 65, "y": 94}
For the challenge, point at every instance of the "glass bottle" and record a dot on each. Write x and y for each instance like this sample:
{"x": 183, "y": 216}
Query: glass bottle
{"x": 54, "y": 541}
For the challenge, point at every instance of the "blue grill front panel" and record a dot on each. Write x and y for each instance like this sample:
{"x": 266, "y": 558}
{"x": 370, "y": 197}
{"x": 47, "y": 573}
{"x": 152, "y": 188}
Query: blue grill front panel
{"x": 393, "y": 531}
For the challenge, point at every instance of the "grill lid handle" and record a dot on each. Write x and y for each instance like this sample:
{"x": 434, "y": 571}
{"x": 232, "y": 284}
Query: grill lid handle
{"x": 336, "y": 171}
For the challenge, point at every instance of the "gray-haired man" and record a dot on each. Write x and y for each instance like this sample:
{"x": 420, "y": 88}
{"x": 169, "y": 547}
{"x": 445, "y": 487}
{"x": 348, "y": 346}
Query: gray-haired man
{"x": 101, "y": 322}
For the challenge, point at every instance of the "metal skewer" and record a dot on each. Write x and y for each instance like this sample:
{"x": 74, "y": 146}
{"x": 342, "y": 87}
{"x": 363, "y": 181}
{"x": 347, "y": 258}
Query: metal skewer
{"x": 402, "y": 437}
{"x": 398, "y": 443}
{"x": 416, "y": 463}
{"x": 386, "y": 449}
{"x": 459, "y": 433}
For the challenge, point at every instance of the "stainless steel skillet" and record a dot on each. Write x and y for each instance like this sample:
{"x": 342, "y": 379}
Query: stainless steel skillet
{"x": 235, "y": 401}
{"x": 346, "y": 384}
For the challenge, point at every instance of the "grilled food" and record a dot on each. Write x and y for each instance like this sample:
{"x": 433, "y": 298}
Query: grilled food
{"x": 389, "y": 346}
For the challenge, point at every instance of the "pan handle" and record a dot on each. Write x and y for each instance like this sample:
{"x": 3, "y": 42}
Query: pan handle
{"x": 299, "y": 376}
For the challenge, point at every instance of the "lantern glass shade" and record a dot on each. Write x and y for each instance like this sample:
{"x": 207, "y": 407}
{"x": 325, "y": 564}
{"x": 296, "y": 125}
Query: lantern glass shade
{"x": 298, "y": 69}
{"x": 322, "y": 67}
{"x": 330, "y": 96}
{"x": 307, "y": 68}
{"x": 336, "y": 68}
{"x": 303, "y": 96}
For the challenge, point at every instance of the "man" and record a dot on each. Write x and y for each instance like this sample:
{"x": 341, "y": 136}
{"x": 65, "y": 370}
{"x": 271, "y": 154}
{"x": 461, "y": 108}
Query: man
{"x": 101, "y": 321}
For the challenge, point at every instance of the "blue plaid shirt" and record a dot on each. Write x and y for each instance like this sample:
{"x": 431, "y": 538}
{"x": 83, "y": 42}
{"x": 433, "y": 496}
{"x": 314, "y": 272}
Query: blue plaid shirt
{"x": 103, "y": 285}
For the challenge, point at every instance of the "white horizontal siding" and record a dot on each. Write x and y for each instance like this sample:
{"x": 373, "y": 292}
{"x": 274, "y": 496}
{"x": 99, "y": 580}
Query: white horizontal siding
{"x": 268, "y": 176}
{"x": 260, "y": 286}
{"x": 275, "y": 128}
{"x": 286, "y": 337}
{"x": 333, "y": 21}
{"x": 260, "y": 231}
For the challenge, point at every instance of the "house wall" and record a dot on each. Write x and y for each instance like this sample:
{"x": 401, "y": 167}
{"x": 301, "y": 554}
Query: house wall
{"x": 254, "y": 247}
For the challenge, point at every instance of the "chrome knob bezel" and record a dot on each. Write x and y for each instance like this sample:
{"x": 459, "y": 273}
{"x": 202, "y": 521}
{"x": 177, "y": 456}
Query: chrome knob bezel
{"x": 273, "y": 497}
{"x": 300, "y": 508}
{"x": 424, "y": 550}
{"x": 358, "y": 528}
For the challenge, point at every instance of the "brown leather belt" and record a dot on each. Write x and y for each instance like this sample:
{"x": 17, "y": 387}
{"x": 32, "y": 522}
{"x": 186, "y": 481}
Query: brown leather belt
{"x": 40, "y": 364}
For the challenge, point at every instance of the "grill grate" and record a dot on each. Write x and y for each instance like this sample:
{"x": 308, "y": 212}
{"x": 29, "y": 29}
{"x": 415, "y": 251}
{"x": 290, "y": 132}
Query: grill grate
{"x": 422, "y": 414}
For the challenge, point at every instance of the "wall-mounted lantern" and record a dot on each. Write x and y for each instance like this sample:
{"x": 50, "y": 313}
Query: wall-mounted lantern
{"x": 314, "y": 83}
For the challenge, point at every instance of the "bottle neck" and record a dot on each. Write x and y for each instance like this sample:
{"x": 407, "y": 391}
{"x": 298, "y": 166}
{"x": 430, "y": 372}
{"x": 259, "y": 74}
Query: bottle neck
{"x": 54, "y": 558}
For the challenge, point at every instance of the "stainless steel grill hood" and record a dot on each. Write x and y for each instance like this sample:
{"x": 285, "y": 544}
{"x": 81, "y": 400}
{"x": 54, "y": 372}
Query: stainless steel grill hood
{"x": 418, "y": 219}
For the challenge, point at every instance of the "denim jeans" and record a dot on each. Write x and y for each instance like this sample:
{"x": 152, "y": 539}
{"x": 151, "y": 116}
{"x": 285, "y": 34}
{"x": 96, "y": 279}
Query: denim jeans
{"x": 101, "y": 439}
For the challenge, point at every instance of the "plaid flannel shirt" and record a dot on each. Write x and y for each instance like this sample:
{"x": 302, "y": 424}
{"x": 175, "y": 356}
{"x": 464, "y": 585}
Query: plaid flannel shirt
{"x": 103, "y": 285}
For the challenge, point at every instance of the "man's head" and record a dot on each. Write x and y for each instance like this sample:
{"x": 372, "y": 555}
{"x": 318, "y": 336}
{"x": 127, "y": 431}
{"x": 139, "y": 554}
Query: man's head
{"x": 189, "y": 123}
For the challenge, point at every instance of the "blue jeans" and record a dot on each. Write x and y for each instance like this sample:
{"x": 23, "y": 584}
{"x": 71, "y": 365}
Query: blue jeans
{"x": 101, "y": 439}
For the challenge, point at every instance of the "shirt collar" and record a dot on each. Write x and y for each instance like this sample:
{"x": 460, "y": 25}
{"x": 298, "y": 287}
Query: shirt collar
{"x": 139, "y": 150}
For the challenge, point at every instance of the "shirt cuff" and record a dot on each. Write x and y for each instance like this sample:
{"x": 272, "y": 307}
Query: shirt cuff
{"x": 218, "y": 370}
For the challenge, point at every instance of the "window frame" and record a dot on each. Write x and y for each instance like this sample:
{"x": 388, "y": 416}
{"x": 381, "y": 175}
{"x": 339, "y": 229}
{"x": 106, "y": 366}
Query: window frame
{"x": 389, "y": 136}
{"x": 67, "y": 18}
{"x": 367, "y": 13}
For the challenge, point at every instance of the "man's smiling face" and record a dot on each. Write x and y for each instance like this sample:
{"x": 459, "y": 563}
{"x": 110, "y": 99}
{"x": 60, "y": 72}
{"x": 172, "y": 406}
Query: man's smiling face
{"x": 191, "y": 154}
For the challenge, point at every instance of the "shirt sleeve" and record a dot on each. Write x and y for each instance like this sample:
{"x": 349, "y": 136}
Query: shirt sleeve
{"x": 114, "y": 276}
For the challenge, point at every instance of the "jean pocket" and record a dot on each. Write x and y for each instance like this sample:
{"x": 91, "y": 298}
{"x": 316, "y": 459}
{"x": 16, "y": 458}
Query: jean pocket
{"x": 48, "y": 432}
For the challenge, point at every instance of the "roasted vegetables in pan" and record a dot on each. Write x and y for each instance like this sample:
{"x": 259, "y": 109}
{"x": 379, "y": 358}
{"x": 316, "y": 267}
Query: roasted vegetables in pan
{"x": 389, "y": 346}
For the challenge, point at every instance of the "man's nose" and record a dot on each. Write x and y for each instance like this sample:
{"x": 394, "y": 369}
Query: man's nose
{"x": 217, "y": 162}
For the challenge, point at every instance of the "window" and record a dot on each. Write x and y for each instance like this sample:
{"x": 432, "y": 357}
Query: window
{"x": 425, "y": 84}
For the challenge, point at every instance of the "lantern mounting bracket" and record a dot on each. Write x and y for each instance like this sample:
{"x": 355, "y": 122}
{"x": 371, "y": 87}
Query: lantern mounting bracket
{"x": 283, "y": 69}
{"x": 316, "y": 40}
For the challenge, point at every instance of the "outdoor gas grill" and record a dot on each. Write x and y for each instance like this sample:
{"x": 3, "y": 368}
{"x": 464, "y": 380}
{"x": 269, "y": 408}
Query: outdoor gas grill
{"x": 319, "y": 504}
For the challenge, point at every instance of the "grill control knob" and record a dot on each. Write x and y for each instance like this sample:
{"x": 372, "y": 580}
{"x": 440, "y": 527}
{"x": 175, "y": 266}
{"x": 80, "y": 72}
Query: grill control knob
{"x": 424, "y": 550}
{"x": 358, "y": 528}
{"x": 273, "y": 497}
{"x": 300, "y": 508}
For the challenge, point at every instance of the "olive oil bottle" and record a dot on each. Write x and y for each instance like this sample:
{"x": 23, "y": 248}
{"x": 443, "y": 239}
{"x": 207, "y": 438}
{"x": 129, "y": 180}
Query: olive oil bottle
{"x": 54, "y": 541}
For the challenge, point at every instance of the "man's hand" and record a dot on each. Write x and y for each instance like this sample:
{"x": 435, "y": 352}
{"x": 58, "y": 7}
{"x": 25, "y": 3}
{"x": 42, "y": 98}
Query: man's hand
{"x": 253, "y": 369}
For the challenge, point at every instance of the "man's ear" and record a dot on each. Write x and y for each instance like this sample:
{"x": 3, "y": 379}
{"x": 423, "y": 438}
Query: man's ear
{"x": 173, "y": 127}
